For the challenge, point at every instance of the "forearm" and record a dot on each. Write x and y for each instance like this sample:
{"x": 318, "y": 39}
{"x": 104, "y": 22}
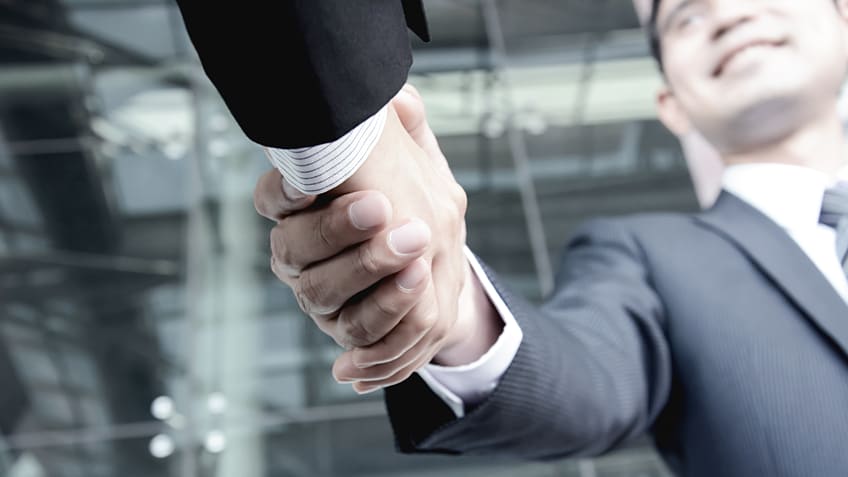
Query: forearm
{"x": 592, "y": 369}
{"x": 301, "y": 73}
{"x": 554, "y": 400}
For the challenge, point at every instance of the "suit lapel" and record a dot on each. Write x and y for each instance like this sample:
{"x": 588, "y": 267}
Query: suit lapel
{"x": 782, "y": 260}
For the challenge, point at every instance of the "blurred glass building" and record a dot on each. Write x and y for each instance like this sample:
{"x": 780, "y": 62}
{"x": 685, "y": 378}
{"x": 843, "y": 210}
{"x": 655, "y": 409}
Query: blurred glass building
{"x": 141, "y": 331}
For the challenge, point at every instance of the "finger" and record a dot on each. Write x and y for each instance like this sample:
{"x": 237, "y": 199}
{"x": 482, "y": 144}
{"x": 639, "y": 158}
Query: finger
{"x": 371, "y": 319}
{"x": 411, "y": 89}
{"x": 325, "y": 287}
{"x": 365, "y": 387}
{"x": 413, "y": 116}
{"x": 401, "y": 375}
{"x": 274, "y": 198}
{"x": 345, "y": 369}
{"x": 345, "y": 372}
{"x": 370, "y": 379}
{"x": 303, "y": 239}
{"x": 409, "y": 332}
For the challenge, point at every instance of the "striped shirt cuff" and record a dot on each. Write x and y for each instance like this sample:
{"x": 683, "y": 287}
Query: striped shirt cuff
{"x": 317, "y": 169}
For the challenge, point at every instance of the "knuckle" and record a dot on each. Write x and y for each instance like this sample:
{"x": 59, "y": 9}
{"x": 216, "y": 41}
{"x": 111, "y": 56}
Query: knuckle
{"x": 312, "y": 295}
{"x": 356, "y": 333}
{"x": 276, "y": 269}
{"x": 388, "y": 307}
{"x": 366, "y": 260}
{"x": 423, "y": 323}
{"x": 273, "y": 240}
{"x": 431, "y": 319}
{"x": 259, "y": 202}
{"x": 439, "y": 333}
{"x": 280, "y": 248}
{"x": 324, "y": 231}
{"x": 460, "y": 198}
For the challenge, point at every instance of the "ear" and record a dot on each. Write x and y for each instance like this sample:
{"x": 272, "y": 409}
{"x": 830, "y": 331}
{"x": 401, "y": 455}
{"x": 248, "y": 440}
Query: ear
{"x": 670, "y": 113}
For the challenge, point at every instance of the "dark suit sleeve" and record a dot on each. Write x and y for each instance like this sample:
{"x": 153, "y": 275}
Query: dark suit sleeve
{"x": 297, "y": 73}
{"x": 593, "y": 369}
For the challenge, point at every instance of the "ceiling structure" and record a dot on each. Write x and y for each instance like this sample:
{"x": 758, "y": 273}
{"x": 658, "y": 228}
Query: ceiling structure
{"x": 133, "y": 267}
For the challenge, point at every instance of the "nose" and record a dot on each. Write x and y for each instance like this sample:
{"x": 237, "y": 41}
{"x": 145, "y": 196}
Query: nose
{"x": 730, "y": 14}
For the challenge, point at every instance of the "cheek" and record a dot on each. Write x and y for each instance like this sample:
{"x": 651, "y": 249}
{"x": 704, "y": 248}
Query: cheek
{"x": 685, "y": 66}
{"x": 689, "y": 87}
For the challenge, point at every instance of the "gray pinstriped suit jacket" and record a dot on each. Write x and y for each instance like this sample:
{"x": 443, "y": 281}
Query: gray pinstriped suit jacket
{"x": 712, "y": 332}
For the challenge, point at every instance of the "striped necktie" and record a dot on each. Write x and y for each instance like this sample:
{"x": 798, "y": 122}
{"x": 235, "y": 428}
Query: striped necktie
{"x": 835, "y": 214}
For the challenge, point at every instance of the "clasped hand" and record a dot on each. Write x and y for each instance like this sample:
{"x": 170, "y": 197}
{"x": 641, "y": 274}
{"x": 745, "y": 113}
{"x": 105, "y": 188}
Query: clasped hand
{"x": 379, "y": 265}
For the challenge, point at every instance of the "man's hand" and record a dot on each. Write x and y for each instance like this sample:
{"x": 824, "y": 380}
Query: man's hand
{"x": 360, "y": 241}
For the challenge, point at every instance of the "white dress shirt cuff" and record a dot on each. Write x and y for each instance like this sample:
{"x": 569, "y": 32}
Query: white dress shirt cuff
{"x": 317, "y": 169}
{"x": 470, "y": 384}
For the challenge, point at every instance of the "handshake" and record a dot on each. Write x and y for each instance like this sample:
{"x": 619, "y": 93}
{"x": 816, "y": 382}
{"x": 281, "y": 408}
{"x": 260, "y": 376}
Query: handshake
{"x": 380, "y": 266}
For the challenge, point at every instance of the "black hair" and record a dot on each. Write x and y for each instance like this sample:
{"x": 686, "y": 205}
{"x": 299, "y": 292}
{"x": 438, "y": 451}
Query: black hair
{"x": 654, "y": 34}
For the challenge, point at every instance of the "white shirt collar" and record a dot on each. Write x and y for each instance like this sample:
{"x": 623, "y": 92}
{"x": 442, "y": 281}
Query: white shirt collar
{"x": 789, "y": 195}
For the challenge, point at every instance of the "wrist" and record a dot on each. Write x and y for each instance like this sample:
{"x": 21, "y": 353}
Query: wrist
{"x": 377, "y": 169}
{"x": 477, "y": 327}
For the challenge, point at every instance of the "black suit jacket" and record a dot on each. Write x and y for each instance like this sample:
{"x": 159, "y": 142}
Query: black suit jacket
{"x": 298, "y": 73}
{"x": 713, "y": 332}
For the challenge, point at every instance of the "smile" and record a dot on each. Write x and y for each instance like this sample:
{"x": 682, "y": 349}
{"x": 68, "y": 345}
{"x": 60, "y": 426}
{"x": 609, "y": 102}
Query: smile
{"x": 746, "y": 48}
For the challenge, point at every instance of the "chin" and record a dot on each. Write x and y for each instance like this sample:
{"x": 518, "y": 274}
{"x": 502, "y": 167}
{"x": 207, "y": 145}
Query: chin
{"x": 767, "y": 105}
{"x": 762, "y": 121}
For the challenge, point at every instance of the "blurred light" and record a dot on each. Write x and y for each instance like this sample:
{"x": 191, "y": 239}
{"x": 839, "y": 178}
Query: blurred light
{"x": 219, "y": 147}
{"x": 161, "y": 446}
{"x": 534, "y": 124}
{"x": 217, "y": 403}
{"x": 493, "y": 127}
{"x": 162, "y": 408}
{"x": 215, "y": 442}
{"x": 219, "y": 123}
{"x": 174, "y": 150}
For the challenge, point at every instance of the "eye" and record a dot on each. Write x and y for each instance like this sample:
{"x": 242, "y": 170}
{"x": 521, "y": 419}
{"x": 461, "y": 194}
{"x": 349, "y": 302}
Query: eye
{"x": 687, "y": 20}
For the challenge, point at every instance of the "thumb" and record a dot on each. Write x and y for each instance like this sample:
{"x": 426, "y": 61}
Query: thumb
{"x": 275, "y": 198}
{"x": 413, "y": 116}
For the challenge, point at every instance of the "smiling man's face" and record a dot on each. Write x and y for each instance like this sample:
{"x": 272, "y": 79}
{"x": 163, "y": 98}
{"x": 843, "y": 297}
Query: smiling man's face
{"x": 747, "y": 72}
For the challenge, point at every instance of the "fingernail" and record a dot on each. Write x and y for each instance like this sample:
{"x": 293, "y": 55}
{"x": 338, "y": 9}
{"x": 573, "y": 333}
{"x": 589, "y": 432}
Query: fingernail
{"x": 409, "y": 238}
{"x": 291, "y": 192}
{"x": 368, "y": 212}
{"x": 342, "y": 379}
{"x": 412, "y": 276}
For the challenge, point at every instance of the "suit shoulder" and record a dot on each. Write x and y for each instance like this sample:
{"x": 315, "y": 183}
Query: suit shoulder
{"x": 638, "y": 225}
